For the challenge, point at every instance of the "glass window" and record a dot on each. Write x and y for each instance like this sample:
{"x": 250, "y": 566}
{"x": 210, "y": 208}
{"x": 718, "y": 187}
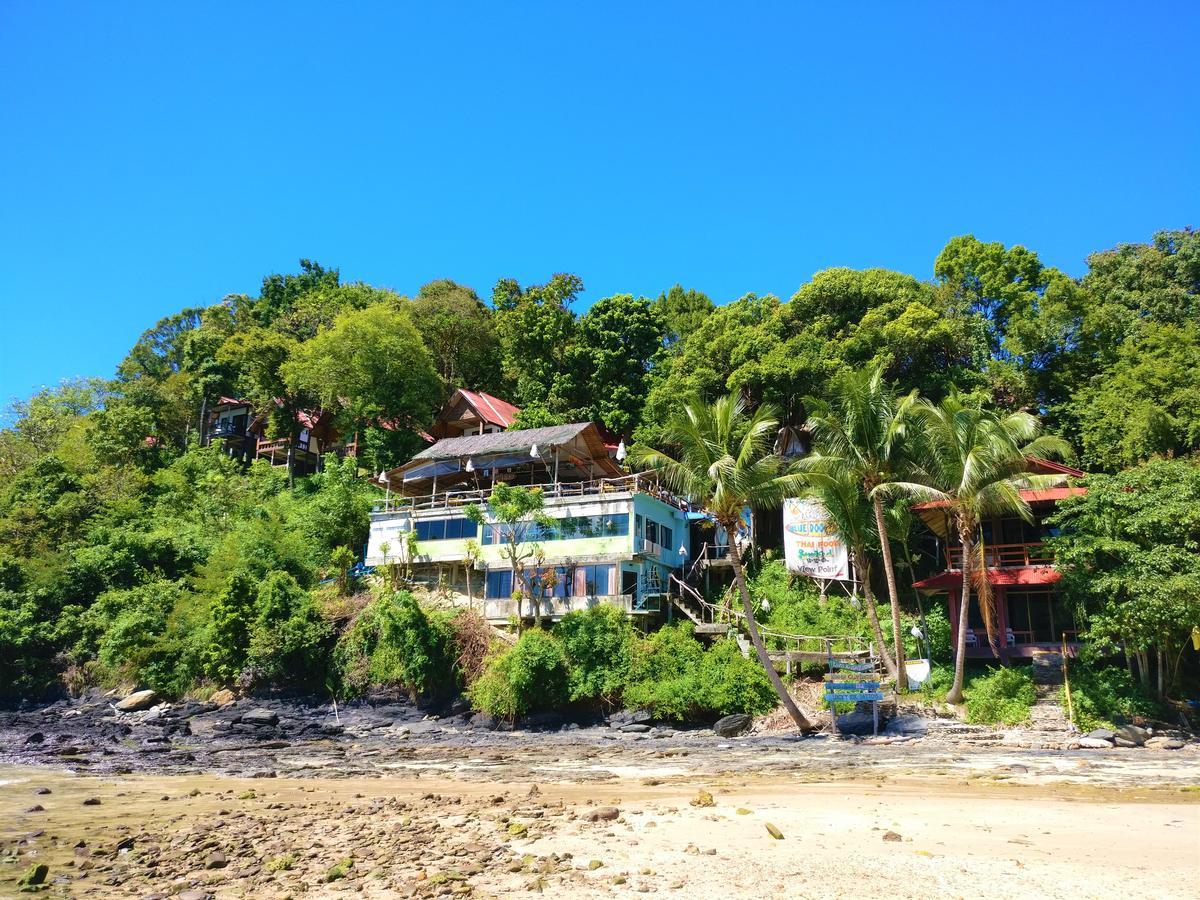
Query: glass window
{"x": 652, "y": 531}
{"x": 445, "y": 529}
{"x": 668, "y": 539}
{"x": 499, "y": 585}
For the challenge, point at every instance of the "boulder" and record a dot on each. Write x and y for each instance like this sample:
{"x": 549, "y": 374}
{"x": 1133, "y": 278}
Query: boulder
{"x": 602, "y": 814}
{"x": 629, "y": 717}
{"x": 635, "y": 728}
{"x": 1092, "y": 743}
{"x": 260, "y": 717}
{"x": 906, "y": 726}
{"x": 860, "y": 723}
{"x": 1101, "y": 734}
{"x": 222, "y": 697}
{"x": 34, "y": 876}
{"x": 1122, "y": 742}
{"x": 1134, "y": 734}
{"x": 138, "y": 700}
{"x": 732, "y": 726}
{"x": 1162, "y": 742}
{"x": 543, "y": 721}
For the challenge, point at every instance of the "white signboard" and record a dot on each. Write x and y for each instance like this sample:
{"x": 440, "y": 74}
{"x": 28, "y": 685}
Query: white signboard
{"x": 811, "y": 544}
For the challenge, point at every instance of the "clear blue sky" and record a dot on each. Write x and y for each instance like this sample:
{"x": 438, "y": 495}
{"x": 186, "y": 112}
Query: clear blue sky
{"x": 161, "y": 155}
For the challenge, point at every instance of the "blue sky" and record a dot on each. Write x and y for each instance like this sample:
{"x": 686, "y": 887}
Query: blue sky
{"x": 162, "y": 155}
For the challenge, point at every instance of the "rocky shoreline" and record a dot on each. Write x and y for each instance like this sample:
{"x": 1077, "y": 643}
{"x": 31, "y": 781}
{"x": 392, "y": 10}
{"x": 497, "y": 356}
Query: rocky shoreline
{"x": 110, "y": 734}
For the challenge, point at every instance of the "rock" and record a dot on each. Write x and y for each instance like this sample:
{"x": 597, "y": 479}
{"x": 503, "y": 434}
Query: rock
{"x": 774, "y": 832}
{"x": 260, "y": 717}
{"x": 1101, "y": 734}
{"x": 544, "y": 721}
{"x": 516, "y": 829}
{"x": 731, "y": 726}
{"x": 92, "y": 801}
{"x": 742, "y": 811}
{"x": 1163, "y": 742}
{"x": 703, "y": 798}
{"x": 629, "y": 717}
{"x": 216, "y": 860}
{"x": 332, "y": 728}
{"x": 906, "y": 726}
{"x": 1123, "y": 742}
{"x": 42, "y": 791}
{"x": 891, "y": 836}
{"x": 1091, "y": 743}
{"x": 341, "y": 870}
{"x": 602, "y": 814}
{"x": 34, "y": 875}
{"x": 634, "y": 728}
{"x": 193, "y": 894}
{"x": 222, "y": 697}
{"x": 1134, "y": 734}
{"x": 138, "y": 700}
{"x": 35, "y": 737}
{"x": 594, "y": 864}
{"x": 860, "y": 723}
{"x": 37, "y": 807}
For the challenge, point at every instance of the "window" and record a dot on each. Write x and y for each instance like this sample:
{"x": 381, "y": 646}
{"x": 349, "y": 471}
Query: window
{"x": 570, "y": 528}
{"x": 659, "y": 534}
{"x": 667, "y": 537}
{"x": 499, "y": 585}
{"x": 445, "y": 529}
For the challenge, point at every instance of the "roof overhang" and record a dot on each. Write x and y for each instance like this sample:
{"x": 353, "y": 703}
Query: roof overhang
{"x": 1026, "y": 576}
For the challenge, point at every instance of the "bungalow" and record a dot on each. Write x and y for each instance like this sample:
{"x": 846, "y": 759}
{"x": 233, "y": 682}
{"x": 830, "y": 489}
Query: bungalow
{"x": 1033, "y": 616}
{"x": 243, "y": 433}
{"x": 614, "y": 538}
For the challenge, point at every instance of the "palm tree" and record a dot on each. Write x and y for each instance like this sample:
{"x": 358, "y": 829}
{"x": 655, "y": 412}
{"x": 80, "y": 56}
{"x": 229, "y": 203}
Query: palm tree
{"x": 864, "y": 431}
{"x": 848, "y": 511}
{"x": 974, "y": 462}
{"x": 724, "y": 463}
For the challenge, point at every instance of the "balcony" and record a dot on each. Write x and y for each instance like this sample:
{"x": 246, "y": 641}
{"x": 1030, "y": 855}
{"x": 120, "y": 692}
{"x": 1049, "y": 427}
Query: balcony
{"x": 457, "y": 498}
{"x": 1005, "y": 556}
{"x": 227, "y": 430}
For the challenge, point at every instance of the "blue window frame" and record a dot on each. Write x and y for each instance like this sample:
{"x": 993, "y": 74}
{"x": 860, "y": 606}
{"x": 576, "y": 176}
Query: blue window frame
{"x": 445, "y": 529}
{"x": 499, "y": 585}
{"x": 570, "y": 528}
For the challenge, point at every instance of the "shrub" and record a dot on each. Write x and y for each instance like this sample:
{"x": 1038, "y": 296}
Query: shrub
{"x": 395, "y": 642}
{"x": 528, "y": 677}
{"x": 1001, "y": 696}
{"x": 731, "y": 683}
{"x": 597, "y": 643}
{"x": 289, "y": 638}
{"x": 664, "y": 673}
{"x": 1102, "y": 697}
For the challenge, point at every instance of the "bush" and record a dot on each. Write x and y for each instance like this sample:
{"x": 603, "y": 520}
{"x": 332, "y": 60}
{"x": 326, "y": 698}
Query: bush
{"x": 597, "y": 643}
{"x": 1001, "y": 696}
{"x": 289, "y": 638}
{"x": 664, "y": 674}
{"x": 938, "y": 623}
{"x": 731, "y": 683}
{"x": 675, "y": 678}
{"x": 395, "y": 642}
{"x": 528, "y": 677}
{"x": 1103, "y": 697}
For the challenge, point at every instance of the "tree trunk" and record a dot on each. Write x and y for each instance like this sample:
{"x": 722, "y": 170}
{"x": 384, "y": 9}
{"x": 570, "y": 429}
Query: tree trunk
{"x": 860, "y": 561}
{"x": 785, "y": 698}
{"x": 203, "y": 416}
{"x": 889, "y": 572}
{"x": 960, "y": 644}
{"x": 467, "y": 575}
{"x": 1162, "y": 681}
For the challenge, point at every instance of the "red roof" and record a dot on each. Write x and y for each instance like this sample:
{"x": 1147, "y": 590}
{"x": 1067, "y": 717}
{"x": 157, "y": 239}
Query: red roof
{"x": 1043, "y": 495}
{"x": 1025, "y": 575}
{"x": 491, "y": 409}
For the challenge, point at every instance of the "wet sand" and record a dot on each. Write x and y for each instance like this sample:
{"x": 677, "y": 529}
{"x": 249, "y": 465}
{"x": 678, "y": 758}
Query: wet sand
{"x": 433, "y": 833}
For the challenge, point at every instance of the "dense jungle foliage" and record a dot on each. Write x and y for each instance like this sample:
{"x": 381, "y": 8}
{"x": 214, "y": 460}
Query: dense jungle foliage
{"x": 130, "y": 553}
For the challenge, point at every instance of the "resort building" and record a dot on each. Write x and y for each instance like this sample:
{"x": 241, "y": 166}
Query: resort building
{"x": 243, "y": 431}
{"x": 612, "y": 538}
{"x": 1032, "y": 615}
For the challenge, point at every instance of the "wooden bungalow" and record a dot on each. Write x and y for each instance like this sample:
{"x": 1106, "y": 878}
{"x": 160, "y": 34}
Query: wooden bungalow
{"x": 1032, "y": 615}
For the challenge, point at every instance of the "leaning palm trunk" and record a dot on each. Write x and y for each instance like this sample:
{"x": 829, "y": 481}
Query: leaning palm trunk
{"x": 960, "y": 643}
{"x": 860, "y": 562}
{"x": 735, "y": 557}
{"x": 889, "y": 572}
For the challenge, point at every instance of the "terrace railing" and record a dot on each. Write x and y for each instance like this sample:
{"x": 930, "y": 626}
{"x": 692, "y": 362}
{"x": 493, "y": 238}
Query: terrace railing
{"x": 457, "y": 498}
{"x": 1005, "y": 556}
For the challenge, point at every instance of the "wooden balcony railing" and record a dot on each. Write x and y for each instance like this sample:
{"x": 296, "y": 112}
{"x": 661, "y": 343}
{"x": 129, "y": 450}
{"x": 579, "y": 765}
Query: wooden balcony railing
{"x": 1005, "y": 556}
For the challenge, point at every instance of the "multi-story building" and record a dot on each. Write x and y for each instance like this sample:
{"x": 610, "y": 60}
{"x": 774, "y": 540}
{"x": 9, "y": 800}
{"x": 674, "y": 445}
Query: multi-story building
{"x": 1032, "y": 614}
{"x": 614, "y": 538}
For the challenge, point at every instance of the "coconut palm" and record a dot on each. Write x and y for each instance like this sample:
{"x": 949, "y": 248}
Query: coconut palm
{"x": 840, "y": 493}
{"x": 864, "y": 432}
{"x": 724, "y": 463}
{"x": 974, "y": 463}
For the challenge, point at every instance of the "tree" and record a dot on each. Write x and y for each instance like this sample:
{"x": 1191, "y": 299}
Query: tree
{"x": 370, "y": 366}
{"x": 864, "y": 432}
{"x": 1128, "y": 554}
{"x": 618, "y": 342}
{"x": 458, "y": 330}
{"x": 536, "y": 328}
{"x": 682, "y": 311}
{"x": 280, "y": 292}
{"x": 723, "y": 462}
{"x": 974, "y": 462}
{"x": 515, "y": 513}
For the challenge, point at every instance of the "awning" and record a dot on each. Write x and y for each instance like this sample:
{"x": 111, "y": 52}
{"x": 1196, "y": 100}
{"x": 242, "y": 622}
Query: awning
{"x": 1024, "y": 576}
